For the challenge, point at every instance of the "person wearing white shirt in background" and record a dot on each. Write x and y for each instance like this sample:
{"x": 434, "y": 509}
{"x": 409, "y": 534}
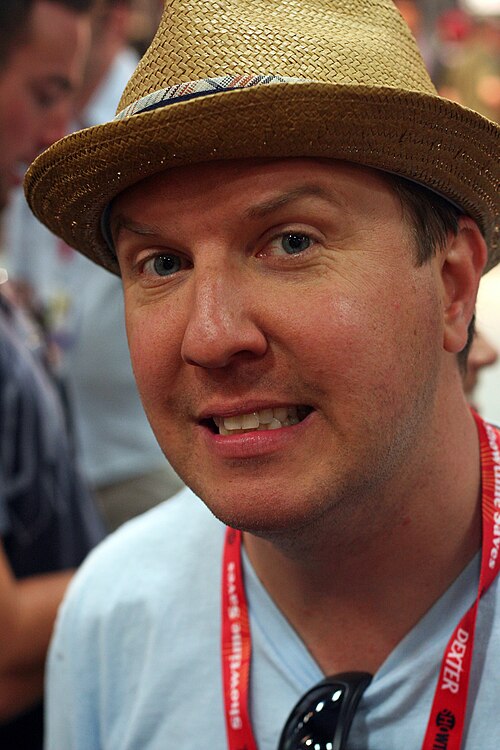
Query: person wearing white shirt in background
{"x": 48, "y": 521}
{"x": 83, "y": 309}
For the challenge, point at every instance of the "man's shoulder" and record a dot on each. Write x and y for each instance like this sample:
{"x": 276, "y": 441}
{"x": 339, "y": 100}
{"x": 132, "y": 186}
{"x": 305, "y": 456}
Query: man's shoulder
{"x": 157, "y": 536}
{"x": 157, "y": 551}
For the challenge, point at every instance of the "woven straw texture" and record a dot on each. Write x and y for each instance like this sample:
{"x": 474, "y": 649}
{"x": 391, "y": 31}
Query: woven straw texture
{"x": 364, "y": 96}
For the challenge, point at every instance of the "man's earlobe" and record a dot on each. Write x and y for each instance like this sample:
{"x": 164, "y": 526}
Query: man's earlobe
{"x": 463, "y": 261}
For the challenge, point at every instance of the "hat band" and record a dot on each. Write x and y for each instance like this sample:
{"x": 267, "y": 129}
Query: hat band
{"x": 192, "y": 89}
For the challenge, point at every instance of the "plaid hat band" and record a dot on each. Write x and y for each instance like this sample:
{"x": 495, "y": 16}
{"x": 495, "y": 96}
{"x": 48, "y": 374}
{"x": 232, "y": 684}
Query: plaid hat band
{"x": 192, "y": 89}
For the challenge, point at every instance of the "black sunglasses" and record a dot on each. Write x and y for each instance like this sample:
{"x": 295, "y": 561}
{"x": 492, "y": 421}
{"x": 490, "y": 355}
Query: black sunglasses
{"x": 322, "y": 718}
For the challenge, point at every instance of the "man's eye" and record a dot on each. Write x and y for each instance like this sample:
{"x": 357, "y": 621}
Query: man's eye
{"x": 295, "y": 243}
{"x": 291, "y": 243}
{"x": 163, "y": 265}
{"x": 46, "y": 98}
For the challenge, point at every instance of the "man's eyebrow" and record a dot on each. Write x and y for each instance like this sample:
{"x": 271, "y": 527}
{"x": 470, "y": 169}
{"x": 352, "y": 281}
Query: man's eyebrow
{"x": 268, "y": 207}
{"x": 60, "y": 82}
{"x": 119, "y": 222}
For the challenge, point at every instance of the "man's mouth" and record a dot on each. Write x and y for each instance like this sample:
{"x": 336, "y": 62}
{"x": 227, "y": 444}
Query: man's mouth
{"x": 264, "y": 419}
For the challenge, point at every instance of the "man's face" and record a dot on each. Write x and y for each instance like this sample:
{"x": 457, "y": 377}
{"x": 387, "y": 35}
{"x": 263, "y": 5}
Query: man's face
{"x": 284, "y": 291}
{"x": 36, "y": 85}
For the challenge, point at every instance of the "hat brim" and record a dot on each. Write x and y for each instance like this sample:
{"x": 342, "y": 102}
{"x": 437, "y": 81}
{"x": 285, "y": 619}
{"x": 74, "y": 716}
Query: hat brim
{"x": 425, "y": 138}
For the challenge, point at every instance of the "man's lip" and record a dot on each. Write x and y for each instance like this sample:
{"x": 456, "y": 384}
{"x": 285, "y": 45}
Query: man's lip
{"x": 255, "y": 444}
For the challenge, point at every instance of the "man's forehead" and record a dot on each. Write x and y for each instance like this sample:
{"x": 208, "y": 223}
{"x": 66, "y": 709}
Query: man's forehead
{"x": 254, "y": 210}
{"x": 293, "y": 177}
{"x": 247, "y": 190}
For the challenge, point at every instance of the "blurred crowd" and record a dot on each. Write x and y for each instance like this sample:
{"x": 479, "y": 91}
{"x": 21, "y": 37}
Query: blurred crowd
{"x": 462, "y": 51}
{"x": 63, "y": 316}
{"x": 460, "y": 42}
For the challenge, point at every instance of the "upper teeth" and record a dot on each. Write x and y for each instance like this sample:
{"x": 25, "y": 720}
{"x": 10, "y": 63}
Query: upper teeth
{"x": 264, "y": 419}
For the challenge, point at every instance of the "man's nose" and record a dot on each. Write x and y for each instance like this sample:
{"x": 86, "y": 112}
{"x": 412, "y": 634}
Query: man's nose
{"x": 221, "y": 323}
{"x": 56, "y": 123}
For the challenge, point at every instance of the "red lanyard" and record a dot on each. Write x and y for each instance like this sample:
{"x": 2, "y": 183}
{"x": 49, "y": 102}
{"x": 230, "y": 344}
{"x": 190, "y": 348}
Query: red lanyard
{"x": 446, "y": 721}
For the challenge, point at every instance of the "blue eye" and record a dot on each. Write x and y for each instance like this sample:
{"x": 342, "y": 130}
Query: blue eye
{"x": 163, "y": 265}
{"x": 295, "y": 243}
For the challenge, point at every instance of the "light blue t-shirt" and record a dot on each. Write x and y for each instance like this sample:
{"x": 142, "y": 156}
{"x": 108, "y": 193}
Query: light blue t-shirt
{"x": 136, "y": 660}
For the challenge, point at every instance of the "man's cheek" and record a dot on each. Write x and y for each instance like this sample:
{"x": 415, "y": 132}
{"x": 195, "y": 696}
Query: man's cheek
{"x": 146, "y": 362}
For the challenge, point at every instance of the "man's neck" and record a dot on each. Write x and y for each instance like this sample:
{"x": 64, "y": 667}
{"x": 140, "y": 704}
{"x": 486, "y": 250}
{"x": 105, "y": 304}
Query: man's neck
{"x": 353, "y": 588}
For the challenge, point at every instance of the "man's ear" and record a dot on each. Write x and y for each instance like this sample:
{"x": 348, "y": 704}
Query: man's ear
{"x": 462, "y": 263}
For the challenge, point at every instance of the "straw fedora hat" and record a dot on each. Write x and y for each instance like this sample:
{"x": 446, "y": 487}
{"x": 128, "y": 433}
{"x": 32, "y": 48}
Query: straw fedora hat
{"x": 226, "y": 79}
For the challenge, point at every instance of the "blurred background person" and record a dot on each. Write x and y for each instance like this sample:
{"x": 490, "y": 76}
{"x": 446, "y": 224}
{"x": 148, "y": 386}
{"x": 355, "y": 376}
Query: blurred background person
{"x": 82, "y": 305}
{"x": 110, "y": 63}
{"x": 481, "y": 354}
{"x": 36, "y": 102}
{"x": 48, "y": 522}
{"x": 487, "y": 391}
{"x": 145, "y": 18}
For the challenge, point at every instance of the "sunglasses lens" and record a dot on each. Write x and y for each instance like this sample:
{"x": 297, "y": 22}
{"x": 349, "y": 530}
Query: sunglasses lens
{"x": 314, "y": 725}
{"x": 322, "y": 718}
